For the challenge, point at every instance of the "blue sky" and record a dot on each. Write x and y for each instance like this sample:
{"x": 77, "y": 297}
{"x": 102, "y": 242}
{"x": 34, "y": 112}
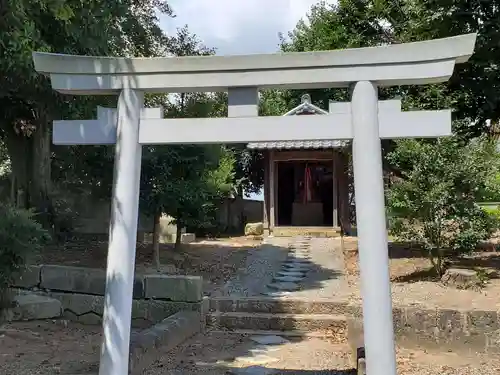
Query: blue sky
{"x": 238, "y": 26}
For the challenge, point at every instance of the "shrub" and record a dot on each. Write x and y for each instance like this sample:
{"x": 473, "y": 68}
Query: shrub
{"x": 20, "y": 237}
{"x": 434, "y": 202}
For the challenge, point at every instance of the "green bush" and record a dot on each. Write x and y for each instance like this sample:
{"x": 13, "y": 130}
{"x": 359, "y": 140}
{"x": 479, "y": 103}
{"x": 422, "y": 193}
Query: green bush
{"x": 20, "y": 237}
{"x": 434, "y": 202}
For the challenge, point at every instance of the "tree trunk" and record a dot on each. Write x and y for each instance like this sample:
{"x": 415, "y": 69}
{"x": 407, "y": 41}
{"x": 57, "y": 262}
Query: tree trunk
{"x": 239, "y": 210}
{"x": 40, "y": 186}
{"x": 20, "y": 156}
{"x": 156, "y": 240}
{"x": 178, "y": 235}
{"x": 30, "y": 157}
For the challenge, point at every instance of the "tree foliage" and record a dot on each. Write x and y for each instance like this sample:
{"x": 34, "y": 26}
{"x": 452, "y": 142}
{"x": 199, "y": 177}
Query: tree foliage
{"x": 28, "y": 104}
{"x": 472, "y": 92}
{"x": 434, "y": 202}
{"x": 20, "y": 237}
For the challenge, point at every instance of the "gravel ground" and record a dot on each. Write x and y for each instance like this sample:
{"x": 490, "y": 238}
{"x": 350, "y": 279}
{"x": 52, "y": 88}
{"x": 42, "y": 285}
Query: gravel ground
{"x": 217, "y": 353}
{"x": 419, "y": 289}
{"x": 58, "y": 347}
{"x": 259, "y": 268}
{"x": 51, "y": 348}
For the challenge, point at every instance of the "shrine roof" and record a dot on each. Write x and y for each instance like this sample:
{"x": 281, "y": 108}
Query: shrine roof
{"x": 304, "y": 108}
{"x": 294, "y": 145}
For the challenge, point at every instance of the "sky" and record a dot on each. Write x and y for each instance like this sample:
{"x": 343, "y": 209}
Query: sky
{"x": 236, "y": 27}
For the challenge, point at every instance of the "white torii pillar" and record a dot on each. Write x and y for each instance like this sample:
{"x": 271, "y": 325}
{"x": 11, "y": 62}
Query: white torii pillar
{"x": 364, "y": 120}
{"x": 120, "y": 127}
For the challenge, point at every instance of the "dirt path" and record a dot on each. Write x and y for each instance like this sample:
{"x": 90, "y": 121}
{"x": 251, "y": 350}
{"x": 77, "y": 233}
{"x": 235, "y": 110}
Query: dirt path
{"x": 49, "y": 348}
{"x": 221, "y": 354}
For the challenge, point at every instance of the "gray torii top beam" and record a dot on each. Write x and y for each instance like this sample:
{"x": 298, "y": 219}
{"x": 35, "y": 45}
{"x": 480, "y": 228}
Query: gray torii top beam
{"x": 401, "y": 64}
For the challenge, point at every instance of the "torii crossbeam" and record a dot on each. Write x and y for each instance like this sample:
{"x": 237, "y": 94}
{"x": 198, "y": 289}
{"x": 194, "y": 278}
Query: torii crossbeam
{"x": 365, "y": 120}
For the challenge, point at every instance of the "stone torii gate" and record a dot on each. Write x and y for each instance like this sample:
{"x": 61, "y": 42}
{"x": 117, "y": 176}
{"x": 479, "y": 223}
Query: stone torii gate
{"x": 363, "y": 69}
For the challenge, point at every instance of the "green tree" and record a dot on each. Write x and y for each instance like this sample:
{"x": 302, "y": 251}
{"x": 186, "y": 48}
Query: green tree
{"x": 186, "y": 181}
{"x": 473, "y": 89}
{"x": 434, "y": 202}
{"x": 28, "y": 104}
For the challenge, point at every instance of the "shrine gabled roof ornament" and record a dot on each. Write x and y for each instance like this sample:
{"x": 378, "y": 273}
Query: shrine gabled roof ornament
{"x": 306, "y": 108}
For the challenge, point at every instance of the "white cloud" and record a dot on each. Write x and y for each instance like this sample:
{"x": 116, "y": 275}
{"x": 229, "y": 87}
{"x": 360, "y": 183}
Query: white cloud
{"x": 238, "y": 26}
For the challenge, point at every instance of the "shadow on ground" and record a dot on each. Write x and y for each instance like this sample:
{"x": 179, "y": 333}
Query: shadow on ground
{"x": 248, "y": 268}
{"x": 221, "y": 351}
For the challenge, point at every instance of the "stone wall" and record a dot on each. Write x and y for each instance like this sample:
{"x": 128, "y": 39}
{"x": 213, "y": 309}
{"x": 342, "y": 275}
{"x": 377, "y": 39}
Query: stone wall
{"x": 94, "y": 217}
{"x": 81, "y": 293}
{"x": 474, "y": 330}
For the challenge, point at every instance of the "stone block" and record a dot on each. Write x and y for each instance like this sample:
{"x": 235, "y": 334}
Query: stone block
{"x": 419, "y": 324}
{"x": 461, "y": 278}
{"x": 27, "y": 278}
{"x": 89, "y": 309}
{"x": 482, "y": 322}
{"x": 254, "y": 229}
{"x": 145, "y": 345}
{"x": 34, "y": 307}
{"x": 80, "y": 280}
{"x": 355, "y": 333}
{"x": 482, "y": 330}
{"x": 450, "y": 326}
{"x": 492, "y": 342}
{"x": 173, "y": 287}
{"x": 188, "y": 238}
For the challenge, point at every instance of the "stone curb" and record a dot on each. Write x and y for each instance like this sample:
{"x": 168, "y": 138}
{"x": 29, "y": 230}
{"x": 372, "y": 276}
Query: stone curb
{"x": 145, "y": 345}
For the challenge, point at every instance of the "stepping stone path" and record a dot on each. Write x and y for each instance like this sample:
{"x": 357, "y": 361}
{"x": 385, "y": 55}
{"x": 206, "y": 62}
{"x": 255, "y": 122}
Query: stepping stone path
{"x": 293, "y": 270}
{"x": 289, "y": 279}
{"x": 296, "y": 269}
{"x": 263, "y": 349}
{"x": 292, "y": 260}
{"x": 275, "y": 293}
{"x": 299, "y": 256}
{"x": 292, "y": 273}
{"x": 284, "y": 286}
{"x": 266, "y": 344}
{"x": 253, "y": 370}
{"x": 259, "y": 359}
{"x": 269, "y": 340}
{"x": 297, "y": 266}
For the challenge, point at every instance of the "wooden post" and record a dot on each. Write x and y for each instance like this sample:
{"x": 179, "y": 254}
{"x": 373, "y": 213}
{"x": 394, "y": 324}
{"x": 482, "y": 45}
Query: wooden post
{"x": 265, "y": 215}
{"x": 272, "y": 195}
{"x": 343, "y": 165}
{"x": 335, "y": 192}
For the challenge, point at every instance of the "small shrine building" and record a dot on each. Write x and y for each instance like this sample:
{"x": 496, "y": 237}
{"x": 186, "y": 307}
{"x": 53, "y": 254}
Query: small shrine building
{"x": 305, "y": 182}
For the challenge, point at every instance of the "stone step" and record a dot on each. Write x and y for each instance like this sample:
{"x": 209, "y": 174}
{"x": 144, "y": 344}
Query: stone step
{"x": 27, "y": 306}
{"x": 306, "y": 231}
{"x": 291, "y": 334}
{"x": 329, "y": 325}
{"x": 275, "y": 305}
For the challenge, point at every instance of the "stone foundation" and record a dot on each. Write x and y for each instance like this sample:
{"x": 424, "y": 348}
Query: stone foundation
{"x": 81, "y": 293}
{"x": 168, "y": 309}
{"x": 472, "y": 330}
